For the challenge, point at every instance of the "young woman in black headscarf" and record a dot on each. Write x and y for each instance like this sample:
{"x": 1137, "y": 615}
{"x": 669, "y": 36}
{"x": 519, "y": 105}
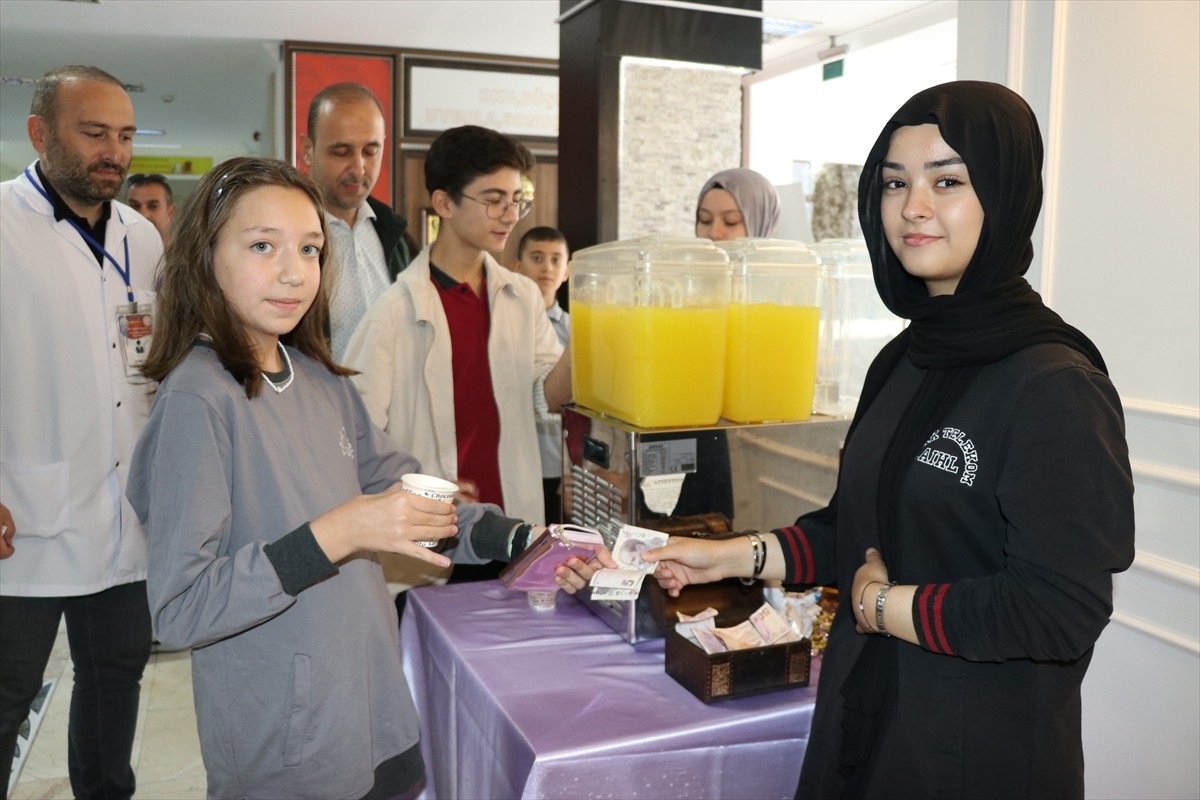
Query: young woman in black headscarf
{"x": 985, "y": 477}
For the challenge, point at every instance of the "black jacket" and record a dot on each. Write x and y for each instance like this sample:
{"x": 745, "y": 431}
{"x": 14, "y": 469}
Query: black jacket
{"x": 1013, "y": 518}
{"x": 390, "y": 227}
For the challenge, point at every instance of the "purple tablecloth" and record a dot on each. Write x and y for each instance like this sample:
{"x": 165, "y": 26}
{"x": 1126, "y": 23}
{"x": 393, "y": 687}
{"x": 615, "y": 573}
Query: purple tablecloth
{"x": 553, "y": 704}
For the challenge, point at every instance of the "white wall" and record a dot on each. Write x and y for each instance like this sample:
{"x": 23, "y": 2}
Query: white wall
{"x": 798, "y": 116}
{"x": 1116, "y": 85}
{"x": 792, "y": 115}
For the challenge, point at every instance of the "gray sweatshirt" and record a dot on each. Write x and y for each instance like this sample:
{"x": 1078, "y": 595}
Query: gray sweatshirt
{"x": 296, "y": 669}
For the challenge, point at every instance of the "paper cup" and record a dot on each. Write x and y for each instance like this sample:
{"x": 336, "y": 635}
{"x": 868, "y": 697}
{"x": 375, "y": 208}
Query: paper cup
{"x": 428, "y": 486}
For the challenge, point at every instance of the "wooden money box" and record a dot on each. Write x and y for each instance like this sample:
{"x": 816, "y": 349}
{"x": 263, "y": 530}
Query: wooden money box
{"x": 736, "y": 673}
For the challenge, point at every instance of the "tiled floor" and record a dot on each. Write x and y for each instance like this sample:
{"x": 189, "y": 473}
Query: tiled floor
{"x": 166, "y": 750}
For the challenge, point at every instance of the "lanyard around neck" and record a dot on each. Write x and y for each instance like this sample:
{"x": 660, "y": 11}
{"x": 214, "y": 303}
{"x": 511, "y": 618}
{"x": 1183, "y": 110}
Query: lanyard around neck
{"x": 124, "y": 273}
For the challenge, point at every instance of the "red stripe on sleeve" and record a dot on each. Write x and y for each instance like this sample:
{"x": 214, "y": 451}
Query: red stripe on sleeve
{"x": 938, "y": 603}
{"x": 810, "y": 569}
{"x": 787, "y": 538}
{"x": 923, "y": 616}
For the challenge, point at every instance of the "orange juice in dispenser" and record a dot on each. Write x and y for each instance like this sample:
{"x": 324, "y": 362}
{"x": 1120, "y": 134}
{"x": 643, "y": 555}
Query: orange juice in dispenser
{"x": 648, "y": 329}
{"x": 771, "y": 348}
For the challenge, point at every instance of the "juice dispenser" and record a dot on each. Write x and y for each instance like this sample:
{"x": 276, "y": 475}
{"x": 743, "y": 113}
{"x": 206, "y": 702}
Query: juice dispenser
{"x": 855, "y": 324}
{"x": 648, "y": 320}
{"x": 773, "y": 319}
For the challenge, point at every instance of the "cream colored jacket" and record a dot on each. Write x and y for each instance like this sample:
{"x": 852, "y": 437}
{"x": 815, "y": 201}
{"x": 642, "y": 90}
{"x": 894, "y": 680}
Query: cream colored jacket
{"x": 402, "y": 350}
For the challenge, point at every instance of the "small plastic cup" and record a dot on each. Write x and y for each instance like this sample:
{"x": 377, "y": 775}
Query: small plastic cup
{"x": 428, "y": 486}
{"x": 543, "y": 601}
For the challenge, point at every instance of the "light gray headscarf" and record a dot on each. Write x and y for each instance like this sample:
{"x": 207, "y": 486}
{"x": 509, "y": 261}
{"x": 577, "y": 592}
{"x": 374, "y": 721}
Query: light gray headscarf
{"x": 756, "y": 198}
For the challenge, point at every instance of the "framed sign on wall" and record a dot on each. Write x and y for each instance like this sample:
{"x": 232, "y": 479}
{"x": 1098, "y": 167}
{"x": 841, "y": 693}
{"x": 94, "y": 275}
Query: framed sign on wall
{"x": 519, "y": 98}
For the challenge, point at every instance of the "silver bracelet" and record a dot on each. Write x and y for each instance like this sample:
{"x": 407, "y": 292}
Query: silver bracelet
{"x": 862, "y": 595}
{"x": 880, "y": 628}
{"x": 760, "y": 557}
{"x": 760, "y": 553}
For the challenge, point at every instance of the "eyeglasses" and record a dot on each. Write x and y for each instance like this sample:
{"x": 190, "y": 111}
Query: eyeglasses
{"x": 499, "y": 206}
{"x": 143, "y": 177}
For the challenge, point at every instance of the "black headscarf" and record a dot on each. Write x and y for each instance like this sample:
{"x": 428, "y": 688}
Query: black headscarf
{"x": 992, "y": 314}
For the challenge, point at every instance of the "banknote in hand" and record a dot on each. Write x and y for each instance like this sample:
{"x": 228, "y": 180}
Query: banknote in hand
{"x": 615, "y": 584}
{"x": 625, "y": 583}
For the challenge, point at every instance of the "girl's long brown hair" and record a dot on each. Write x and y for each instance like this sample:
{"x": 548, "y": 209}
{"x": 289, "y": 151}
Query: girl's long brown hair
{"x": 190, "y": 300}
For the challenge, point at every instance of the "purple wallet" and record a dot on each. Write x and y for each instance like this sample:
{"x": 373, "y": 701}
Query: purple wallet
{"x": 533, "y": 570}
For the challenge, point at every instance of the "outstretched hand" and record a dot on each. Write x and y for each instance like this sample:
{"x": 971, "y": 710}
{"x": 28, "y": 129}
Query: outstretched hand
{"x": 575, "y": 573}
{"x": 683, "y": 561}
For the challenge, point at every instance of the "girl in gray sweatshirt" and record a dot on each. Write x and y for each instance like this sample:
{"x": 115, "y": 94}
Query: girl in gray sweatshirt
{"x": 266, "y": 491}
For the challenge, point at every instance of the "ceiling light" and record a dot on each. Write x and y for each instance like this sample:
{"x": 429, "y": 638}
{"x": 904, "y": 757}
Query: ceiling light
{"x": 833, "y": 51}
{"x": 150, "y": 132}
{"x": 775, "y": 29}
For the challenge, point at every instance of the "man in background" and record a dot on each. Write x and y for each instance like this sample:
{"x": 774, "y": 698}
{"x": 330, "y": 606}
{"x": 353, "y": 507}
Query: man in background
{"x": 150, "y": 195}
{"x": 344, "y": 150}
{"x": 77, "y": 268}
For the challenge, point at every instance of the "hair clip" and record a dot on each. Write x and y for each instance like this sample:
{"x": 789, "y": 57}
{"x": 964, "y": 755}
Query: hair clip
{"x": 220, "y": 187}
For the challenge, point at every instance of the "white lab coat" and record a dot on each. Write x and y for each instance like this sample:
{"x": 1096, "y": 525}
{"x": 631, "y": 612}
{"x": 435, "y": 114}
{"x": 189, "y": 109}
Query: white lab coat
{"x": 69, "y": 416}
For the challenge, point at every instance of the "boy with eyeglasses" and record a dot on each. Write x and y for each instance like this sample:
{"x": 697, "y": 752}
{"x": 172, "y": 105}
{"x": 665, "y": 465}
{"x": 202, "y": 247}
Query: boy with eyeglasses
{"x": 458, "y": 359}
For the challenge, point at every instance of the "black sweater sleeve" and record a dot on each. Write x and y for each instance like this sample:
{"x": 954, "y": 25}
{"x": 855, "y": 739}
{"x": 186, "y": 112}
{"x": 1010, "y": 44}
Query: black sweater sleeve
{"x": 810, "y": 548}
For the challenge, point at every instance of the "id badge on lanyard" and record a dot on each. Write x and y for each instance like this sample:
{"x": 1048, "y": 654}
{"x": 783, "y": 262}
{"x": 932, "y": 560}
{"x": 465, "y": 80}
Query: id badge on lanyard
{"x": 135, "y": 321}
{"x": 135, "y": 324}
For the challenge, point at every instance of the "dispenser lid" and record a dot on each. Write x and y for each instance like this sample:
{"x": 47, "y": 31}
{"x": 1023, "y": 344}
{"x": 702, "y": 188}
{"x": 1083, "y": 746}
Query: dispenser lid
{"x": 753, "y": 255}
{"x": 656, "y": 251}
{"x": 842, "y": 251}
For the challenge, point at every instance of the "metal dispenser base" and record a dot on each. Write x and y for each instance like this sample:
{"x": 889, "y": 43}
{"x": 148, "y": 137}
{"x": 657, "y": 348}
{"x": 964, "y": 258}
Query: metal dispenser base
{"x": 712, "y": 480}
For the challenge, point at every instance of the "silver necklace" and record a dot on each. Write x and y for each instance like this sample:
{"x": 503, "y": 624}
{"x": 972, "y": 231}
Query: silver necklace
{"x": 291, "y": 373}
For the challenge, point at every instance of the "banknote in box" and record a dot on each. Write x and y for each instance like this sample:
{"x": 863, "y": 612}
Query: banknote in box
{"x": 737, "y": 673}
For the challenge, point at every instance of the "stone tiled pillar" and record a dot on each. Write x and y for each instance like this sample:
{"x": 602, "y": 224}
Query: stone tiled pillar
{"x": 597, "y": 174}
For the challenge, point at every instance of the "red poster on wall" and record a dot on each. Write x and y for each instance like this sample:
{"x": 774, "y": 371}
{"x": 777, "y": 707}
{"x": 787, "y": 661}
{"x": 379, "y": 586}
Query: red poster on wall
{"x": 313, "y": 71}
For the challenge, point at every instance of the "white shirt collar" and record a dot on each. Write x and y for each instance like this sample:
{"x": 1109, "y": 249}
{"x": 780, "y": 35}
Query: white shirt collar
{"x": 365, "y": 212}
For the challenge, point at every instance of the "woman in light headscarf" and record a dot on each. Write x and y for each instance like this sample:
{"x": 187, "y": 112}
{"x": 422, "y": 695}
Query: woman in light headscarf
{"x": 733, "y": 203}
{"x": 736, "y": 203}
{"x": 985, "y": 476}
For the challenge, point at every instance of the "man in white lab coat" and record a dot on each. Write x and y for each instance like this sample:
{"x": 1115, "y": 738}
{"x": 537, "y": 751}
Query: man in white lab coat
{"x": 76, "y": 320}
